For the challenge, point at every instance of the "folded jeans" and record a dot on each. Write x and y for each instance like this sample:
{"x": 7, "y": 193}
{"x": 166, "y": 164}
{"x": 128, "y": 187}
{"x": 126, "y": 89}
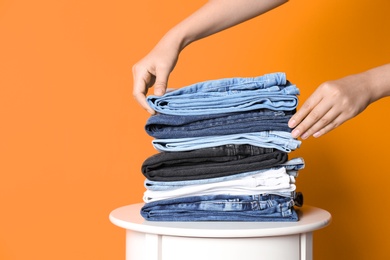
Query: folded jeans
{"x": 262, "y": 182}
{"x": 261, "y": 207}
{"x": 279, "y": 140}
{"x": 292, "y": 168}
{"x": 210, "y": 162}
{"x": 184, "y": 126}
{"x": 270, "y": 91}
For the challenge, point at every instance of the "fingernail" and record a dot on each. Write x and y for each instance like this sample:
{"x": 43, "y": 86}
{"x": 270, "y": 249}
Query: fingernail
{"x": 295, "y": 133}
{"x": 318, "y": 134}
{"x": 291, "y": 123}
{"x": 305, "y": 136}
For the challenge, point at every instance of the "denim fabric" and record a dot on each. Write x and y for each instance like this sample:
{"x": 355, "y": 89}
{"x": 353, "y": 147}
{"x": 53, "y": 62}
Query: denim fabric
{"x": 210, "y": 162}
{"x": 222, "y": 208}
{"x": 282, "y": 141}
{"x": 291, "y": 167}
{"x": 270, "y": 91}
{"x": 183, "y": 126}
{"x": 263, "y": 182}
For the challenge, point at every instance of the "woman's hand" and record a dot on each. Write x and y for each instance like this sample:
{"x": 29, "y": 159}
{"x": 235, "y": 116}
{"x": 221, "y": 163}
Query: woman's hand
{"x": 154, "y": 70}
{"x": 337, "y": 101}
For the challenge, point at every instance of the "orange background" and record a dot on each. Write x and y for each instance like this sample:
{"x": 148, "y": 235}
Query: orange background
{"x": 72, "y": 139}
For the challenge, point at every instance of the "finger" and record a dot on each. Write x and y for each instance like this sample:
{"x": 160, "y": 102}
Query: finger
{"x": 140, "y": 90}
{"x": 329, "y": 127}
{"x": 336, "y": 122}
{"x": 314, "y": 115}
{"x": 141, "y": 99}
{"x": 324, "y": 124}
{"x": 161, "y": 83}
{"x": 306, "y": 108}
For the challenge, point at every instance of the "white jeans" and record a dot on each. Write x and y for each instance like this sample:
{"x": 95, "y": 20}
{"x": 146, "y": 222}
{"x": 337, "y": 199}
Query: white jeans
{"x": 269, "y": 182}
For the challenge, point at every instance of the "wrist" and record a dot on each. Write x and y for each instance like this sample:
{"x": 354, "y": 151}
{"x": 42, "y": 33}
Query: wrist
{"x": 378, "y": 82}
{"x": 175, "y": 38}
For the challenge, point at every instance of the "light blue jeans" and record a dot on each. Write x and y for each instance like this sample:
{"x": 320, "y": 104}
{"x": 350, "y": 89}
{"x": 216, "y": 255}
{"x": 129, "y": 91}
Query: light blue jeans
{"x": 268, "y": 139}
{"x": 292, "y": 167}
{"x": 270, "y": 91}
{"x": 263, "y": 207}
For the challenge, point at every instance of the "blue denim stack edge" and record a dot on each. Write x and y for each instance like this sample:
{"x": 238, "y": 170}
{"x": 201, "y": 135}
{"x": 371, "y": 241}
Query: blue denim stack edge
{"x": 223, "y": 148}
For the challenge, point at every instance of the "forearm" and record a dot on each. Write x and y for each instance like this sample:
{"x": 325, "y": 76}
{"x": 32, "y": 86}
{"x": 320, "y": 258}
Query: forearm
{"x": 215, "y": 16}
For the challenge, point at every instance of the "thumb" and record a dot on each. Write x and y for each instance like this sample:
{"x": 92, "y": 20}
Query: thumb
{"x": 161, "y": 83}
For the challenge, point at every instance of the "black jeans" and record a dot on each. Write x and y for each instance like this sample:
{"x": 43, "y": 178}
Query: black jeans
{"x": 210, "y": 162}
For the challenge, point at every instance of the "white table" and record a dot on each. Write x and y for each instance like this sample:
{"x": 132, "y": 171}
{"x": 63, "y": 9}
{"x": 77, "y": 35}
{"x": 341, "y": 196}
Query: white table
{"x": 146, "y": 240}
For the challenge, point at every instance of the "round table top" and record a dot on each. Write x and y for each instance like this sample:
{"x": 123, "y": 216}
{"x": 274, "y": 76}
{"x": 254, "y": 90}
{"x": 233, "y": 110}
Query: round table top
{"x": 310, "y": 219}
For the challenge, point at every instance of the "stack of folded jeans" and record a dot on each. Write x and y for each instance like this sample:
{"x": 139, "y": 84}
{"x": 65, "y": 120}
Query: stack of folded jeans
{"x": 223, "y": 152}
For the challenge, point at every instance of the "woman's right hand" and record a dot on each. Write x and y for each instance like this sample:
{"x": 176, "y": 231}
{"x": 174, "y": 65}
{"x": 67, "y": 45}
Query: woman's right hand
{"x": 154, "y": 70}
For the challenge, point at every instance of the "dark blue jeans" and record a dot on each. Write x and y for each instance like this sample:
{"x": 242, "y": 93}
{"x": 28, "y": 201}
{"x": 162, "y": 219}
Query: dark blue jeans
{"x": 182, "y": 126}
{"x": 222, "y": 208}
{"x": 210, "y": 162}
